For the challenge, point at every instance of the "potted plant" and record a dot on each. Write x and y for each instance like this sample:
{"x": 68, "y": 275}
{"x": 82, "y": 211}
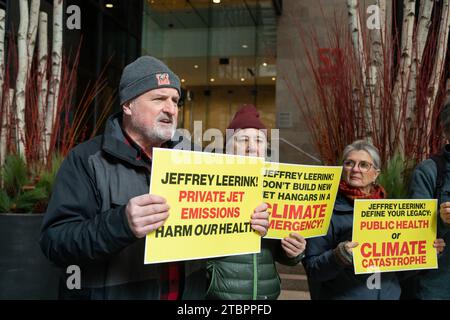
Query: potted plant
{"x": 39, "y": 123}
{"x": 24, "y": 271}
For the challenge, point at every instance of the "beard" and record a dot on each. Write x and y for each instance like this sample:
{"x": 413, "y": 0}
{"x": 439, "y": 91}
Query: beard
{"x": 159, "y": 132}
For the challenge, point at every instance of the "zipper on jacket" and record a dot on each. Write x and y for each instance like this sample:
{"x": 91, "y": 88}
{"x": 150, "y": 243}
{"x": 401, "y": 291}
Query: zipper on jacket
{"x": 255, "y": 276}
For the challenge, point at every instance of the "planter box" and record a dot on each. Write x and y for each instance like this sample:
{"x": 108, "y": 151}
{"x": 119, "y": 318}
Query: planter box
{"x": 25, "y": 273}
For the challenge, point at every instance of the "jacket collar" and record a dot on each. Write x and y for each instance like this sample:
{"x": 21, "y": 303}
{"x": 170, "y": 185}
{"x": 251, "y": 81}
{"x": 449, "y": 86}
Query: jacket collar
{"x": 342, "y": 204}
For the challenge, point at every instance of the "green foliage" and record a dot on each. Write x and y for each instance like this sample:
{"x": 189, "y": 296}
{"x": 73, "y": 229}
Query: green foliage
{"x": 26, "y": 201}
{"x": 5, "y": 202}
{"x": 14, "y": 175}
{"x": 395, "y": 177}
{"x": 47, "y": 177}
{"x": 22, "y": 191}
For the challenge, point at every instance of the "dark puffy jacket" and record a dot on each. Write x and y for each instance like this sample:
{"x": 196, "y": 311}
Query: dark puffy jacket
{"x": 330, "y": 280}
{"x": 249, "y": 276}
{"x": 86, "y": 225}
{"x": 433, "y": 284}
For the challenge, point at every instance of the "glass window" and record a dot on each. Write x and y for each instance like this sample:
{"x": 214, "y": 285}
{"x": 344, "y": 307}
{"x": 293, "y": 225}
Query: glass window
{"x": 224, "y": 53}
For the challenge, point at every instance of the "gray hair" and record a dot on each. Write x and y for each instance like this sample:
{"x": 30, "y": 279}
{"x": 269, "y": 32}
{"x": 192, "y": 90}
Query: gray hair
{"x": 363, "y": 145}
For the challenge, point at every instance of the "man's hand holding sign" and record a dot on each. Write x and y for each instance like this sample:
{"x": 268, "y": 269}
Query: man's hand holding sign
{"x": 444, "y": 212}
{"x": 146, "y": 213}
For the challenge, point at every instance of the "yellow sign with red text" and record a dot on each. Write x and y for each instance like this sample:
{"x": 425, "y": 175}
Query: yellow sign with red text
{"x": 300, "y": 198}
{"x": 394, "y": 235}
{"x": 211, "y": 197}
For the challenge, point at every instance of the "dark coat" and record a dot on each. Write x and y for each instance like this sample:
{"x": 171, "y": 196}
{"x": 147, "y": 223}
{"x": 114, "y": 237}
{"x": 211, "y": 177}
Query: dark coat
{"x": 330, "y": 280}
{"x": 85, "y": 223}
{"x": 433, "y": 283}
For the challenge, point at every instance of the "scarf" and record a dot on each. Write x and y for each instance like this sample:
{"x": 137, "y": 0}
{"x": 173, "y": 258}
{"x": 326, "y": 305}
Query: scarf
{"x": 353, "y": 193}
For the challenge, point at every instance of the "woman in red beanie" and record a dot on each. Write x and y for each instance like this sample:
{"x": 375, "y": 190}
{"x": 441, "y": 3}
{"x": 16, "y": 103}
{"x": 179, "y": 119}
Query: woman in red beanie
{"x": 252, "y": 276}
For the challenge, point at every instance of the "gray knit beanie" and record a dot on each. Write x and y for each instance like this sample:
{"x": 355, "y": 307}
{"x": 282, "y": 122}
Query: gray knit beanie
{"x": 145, "y": 74}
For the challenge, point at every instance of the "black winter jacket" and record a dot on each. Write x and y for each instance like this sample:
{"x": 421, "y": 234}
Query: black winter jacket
{"x": 85, "y": 223}
{"x": 433, "y": 284}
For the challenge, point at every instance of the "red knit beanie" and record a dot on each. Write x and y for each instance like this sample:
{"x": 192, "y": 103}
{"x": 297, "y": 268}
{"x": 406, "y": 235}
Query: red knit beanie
{"x": 246, "y": 117}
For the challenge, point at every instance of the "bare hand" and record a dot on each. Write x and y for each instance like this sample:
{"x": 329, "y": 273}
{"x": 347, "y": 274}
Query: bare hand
{"x": 350, "y": 245}
{"x": 439, "y": 244}
{"x": 445, "y": 212}
{"x": 146, "y": 213}
{"x": 260, "y": 219}
{"x": 294, "y": 245}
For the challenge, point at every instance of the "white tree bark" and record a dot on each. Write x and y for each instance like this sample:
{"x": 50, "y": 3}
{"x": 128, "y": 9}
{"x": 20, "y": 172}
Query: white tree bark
{"x": 423, "y": 27}
{"x": 438, "y": 67}
{"x": 377, "y": 37}
{"x": 7, "y": 105}
{"x": 366, "y": 73}
{"x": 42, "y": 78}
{"x": 403, "y": 77}
{"x": 4, "y": 120}
{"x": 4, "y": 134}
{"x": 2, "y": 52}
{"x": 32, "y": 29}
{"x": 422, "y": 30}
{"x": 355, "y": 29}
{"x": 385, "y": 19}
{"x": 55, "y": 79}
{"x": 22, "y": 76}
{"x": 407, "y": 44}
{"x": 378, "y": 45}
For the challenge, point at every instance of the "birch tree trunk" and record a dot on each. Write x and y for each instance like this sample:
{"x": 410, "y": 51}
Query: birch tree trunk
{"x": 438, "y": 67}
{"x": 4, "y": 134}
{"x": 53, "y": 92}
{"x": 403, "y": 77}
{"x": 355, "y": 29}
{"x": 2, "y": 52}
{"x": 32, "y": 29}
{"x": 377, "y": 37}
{"x": 406, "y": 48}
{"x": 22, "y": 77}
{"x": 42, "y": 78}
{"x": 3, "y": 129}
{"x": 385, "y": 18}
{"x": 423, "y": 27}
{"x": 378, "y": 44}
{"x": 358, "y": 46}
{"x": 7, "y": 106}
{"x": 422, "y": 30}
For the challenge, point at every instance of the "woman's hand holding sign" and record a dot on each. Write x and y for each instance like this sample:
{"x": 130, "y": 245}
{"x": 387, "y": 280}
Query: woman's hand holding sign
{"x": 294, "y": 245}
{"x": 260, "y": 219}
{"x": 349, "y": 246}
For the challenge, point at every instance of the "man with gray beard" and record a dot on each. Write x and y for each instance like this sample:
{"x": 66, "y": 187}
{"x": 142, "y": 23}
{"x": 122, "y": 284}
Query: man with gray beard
{"x": 100, "y": 210}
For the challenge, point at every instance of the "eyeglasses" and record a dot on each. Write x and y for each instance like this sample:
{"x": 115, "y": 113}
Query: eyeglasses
{"x": 364, "y": 166}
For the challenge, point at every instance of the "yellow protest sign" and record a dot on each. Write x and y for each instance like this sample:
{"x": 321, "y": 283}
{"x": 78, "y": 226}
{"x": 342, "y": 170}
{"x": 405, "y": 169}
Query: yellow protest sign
{"x": 301, "y": 198}
{"x": 394, "y": 235}
{"x": 211, "y": 199}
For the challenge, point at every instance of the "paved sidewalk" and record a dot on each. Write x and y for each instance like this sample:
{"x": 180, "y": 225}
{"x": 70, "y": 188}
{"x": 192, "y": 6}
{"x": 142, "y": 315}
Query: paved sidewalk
{"x": 294, "y": 283}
